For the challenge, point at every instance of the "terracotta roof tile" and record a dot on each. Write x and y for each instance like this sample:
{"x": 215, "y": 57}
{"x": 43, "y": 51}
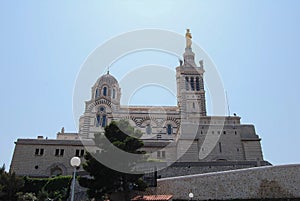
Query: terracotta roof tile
{"x": 152, "y": 198}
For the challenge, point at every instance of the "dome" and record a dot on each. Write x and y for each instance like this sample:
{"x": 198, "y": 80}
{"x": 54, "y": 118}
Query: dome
{"x": 108, "y": 79}
{"x": 107, "y": 87}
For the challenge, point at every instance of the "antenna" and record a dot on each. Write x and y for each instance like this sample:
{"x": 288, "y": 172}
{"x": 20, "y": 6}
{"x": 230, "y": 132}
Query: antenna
{"x": 227, "y": 104}
{"x": 108, "y": 69}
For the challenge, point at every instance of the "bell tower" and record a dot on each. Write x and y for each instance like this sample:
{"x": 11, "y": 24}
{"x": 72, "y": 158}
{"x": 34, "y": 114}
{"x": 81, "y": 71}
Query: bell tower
{"x": 190, "y": 84}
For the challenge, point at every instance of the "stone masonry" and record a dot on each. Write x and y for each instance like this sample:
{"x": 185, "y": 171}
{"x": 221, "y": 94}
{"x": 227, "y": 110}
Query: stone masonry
{"x": 271, "y": 182}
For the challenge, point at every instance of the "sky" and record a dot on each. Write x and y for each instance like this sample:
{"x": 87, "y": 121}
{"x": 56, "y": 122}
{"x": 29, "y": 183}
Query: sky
{"x": 254, "y": 45}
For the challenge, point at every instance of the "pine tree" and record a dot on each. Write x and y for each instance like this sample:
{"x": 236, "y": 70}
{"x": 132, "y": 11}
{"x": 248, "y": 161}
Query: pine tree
{"x": 103, "y": 180}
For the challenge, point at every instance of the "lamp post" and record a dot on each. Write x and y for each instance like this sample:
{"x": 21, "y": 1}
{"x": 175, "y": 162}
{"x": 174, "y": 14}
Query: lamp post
{"x": 75, "y": 162}
{"x": 191, "y": 195}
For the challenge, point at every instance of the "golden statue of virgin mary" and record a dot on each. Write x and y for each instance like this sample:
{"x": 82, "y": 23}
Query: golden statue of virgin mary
{"x": 188, "y": 37}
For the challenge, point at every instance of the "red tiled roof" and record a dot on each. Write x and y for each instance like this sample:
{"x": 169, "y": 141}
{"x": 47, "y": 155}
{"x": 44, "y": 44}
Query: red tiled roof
{"x": 152, "y": 198}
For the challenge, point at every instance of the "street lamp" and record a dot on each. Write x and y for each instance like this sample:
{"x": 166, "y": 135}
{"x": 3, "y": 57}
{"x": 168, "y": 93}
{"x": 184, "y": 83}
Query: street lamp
{"x": 75, "y": 162}
{"x": 191, "y": 195}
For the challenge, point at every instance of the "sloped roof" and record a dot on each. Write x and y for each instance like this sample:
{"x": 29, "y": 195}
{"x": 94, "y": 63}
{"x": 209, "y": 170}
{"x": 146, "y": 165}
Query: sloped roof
{"x": 153, "y": 198}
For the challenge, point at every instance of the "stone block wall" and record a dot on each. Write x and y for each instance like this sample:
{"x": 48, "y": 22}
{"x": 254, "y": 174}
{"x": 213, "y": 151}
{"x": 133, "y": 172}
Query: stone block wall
{"x": 253, "y": 183}
{"x": 191, "y": 168}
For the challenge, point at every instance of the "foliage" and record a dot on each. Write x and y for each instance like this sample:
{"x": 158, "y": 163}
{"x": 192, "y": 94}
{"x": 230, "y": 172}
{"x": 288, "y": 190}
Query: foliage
{"x": 26, "y": 196}
{"x": 43, "y": 195}
{"x": 10, "y": 184}
{"x": 13, "y": 187}
{"x": 34, "y": 185}
{"x": 104, "y": 180}
{"x": 57, "y": 188}
{"x": 58, "y": 183}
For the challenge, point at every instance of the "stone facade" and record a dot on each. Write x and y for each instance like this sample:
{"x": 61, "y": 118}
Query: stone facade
{"x": 182, "y": 133}
{"x": 253, "y": 183}
{"x": 183, "y": 130}
{"x": 46, "y": 157}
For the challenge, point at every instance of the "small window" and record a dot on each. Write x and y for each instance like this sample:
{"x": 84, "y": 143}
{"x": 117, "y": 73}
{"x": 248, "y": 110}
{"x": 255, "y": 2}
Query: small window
{"x": 56, "y": 152}
{"x": 114, "y": 93}
{"x": 158, "y": 154}
{"x": 192, "y": 84}
{"x": 62, "y": 151}
{"x": 148, "y": 129}
{"x": 213, "y": 132}
{"x": 186, "y": 83}
{"x": 77, "y": 152}
{"x": 218, "y": 132}
{"x": 169, "y": 129}
{"x": 97, "y": 93}
{"x": 224, "y": 132}
{"x": 197, "y": 84}
{"x": 220, "y": 147}
{"x": 39, "y": 152}
{"x": 237, "y": 149}
{"x": 163, "y": 154}
{"x": 104, "y": 91}
{"x": 59, "y": 152}
{"x": 235, "y": 132}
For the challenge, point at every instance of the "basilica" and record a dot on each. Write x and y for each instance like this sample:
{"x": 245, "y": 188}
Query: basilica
{"x": 182, "y": 136}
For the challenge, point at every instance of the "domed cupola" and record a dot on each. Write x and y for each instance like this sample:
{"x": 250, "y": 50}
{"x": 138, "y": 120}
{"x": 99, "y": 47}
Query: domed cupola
{"x": 107, "y": 87}
{"x": 108, "y": 79}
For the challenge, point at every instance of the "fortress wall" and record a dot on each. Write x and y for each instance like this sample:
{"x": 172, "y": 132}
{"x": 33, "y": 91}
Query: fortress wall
{"x": 191, "y": 168}
{"x": 260, "y": 182}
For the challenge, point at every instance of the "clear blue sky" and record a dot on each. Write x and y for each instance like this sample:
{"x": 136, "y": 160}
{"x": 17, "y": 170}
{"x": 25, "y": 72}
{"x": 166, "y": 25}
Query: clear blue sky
{"x": 254, "y": 44}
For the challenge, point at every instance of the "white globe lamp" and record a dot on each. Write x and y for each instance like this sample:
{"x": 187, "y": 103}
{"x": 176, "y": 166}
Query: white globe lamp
{"x": 75, "y": 162}
{"x": 191, "y": 195}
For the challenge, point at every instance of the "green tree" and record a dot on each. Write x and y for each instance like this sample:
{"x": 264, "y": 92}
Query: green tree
{"x": 104, "y": 180}
{"x": 55, "y": 188}
{"x": 10, "y": 184}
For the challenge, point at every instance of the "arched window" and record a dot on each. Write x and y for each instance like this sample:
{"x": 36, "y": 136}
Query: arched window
{"x": 192, "y": 84}
{"x": 98, "y": 120}
{"x": 56, "y": 171}
{"x": 148, "y": 129}
{"x": 169, "y": 129}
{"x": 101, "y": 118}
{"x": 186, "y": 83}
{"x": 97, "y": 93}
{"x": 103, "y": 124}
{"x": 104, "y": 91}
{"x": 197, "y": 84}
{"x": 114, "y": 93}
